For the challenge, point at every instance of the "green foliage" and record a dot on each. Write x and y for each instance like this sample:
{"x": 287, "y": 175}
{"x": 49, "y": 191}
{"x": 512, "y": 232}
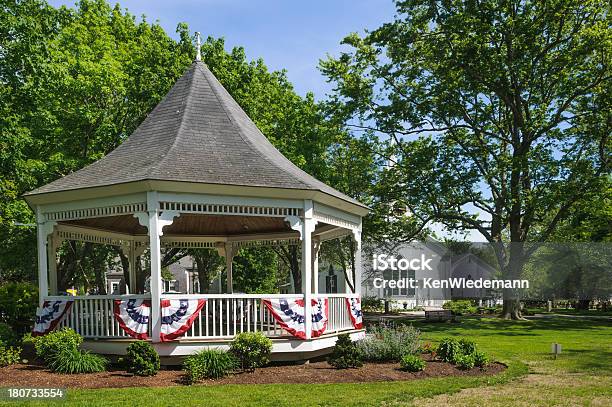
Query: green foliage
{"x": 18, "y": 302}
{"x": 462, "y": 352}
{"x": 346, "y": 354}
{"x": 255, "y": 270}
{"x": 481, "y": 359}
{"x": 412, "y": 363}
{"x": 141, "y": 359}
{"x": 460, "y": 307}
{"x": 468, "y": 347}
{"x": 74, "y": 361}
{"x": 371, "y": 304}
{"x": 464, "y": 362}
{"x": 28, "y": 339}
{"x": 54, "y": 342}
{"x": 9, "y": 355}
{"x": 76, "y": 82}
{"x": 7, "y": 336}
{"x": 384, "y": 343}
{"x": 252, "y": 349}
{"x": 496, "y": 108}
{"x": 449, "y": 349}
{"x": 209, "y": 364}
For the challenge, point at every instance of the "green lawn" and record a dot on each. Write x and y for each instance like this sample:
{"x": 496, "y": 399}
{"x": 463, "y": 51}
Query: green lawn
{"x": 581, "y": 376}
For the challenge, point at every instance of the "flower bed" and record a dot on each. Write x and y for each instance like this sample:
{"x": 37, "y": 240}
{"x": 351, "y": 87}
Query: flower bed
{"x": 36, "y": 375}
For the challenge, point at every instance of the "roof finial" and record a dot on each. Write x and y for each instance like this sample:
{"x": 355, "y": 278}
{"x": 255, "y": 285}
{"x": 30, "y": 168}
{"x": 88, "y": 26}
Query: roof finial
{"x": 198, "y": 52}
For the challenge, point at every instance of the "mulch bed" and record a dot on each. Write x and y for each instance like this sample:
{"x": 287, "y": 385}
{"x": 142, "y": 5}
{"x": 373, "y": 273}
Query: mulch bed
{"x": 35, "y": 375}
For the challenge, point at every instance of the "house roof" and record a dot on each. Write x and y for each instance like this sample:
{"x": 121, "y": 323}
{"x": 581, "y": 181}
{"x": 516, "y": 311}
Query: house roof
{"x": 198, "y": 133}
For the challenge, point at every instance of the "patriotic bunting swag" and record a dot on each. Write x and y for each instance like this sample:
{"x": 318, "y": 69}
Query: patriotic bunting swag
{"x": 354, "y": 307}
{"x": 133, "y": 316}
{"x": 178, "y": 316}
{"x": 50, "y": 315}
{"x": 290, "y": 315}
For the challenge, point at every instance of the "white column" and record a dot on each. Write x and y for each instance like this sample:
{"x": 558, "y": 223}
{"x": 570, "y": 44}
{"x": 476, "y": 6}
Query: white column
{"x": 357, "y": 282}
{"x": 155, "y": 222}
{"x": 52, "y": 244}
{"x": 43, "y": 286}
{"x": 229, "y": 257}
{"x": 316, "y": 246}
{"x": 43, "y": 230}
{"x": 132, "y": 268}
{"x": 155, "y": 230}
{"x": 308, "y": 224}
{"x": 156, "y": 288}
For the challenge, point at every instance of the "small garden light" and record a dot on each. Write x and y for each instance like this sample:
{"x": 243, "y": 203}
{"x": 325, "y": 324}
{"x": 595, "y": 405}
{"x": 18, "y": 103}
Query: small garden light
{"x": 555, "y": 348}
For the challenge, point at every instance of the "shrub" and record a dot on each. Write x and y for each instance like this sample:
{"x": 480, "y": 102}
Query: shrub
{"x": 28, "y": 339}
{"x": 412, "y": 363}
{"x": 449, "y": 349}
{"x": 252, "y": 349}
{"x": 141, "y": 359}
{"x": 468, "y": 347}
{"x": 464, "y": 362}
{"x": 481, "y": 359}
{"x": 460, "y": 307}
{"x": 9, "y": 355}
{"x": 49, "y": 345}
{"x": 345, "y": 354}
{"x": 390, "y": 343}
{"x": 18, "y": 303}
{"x": 209, "y": 364}
{"x": 74, "y": 361}
{"x": 371, "y": 304}
{"x": 7, "y": 336}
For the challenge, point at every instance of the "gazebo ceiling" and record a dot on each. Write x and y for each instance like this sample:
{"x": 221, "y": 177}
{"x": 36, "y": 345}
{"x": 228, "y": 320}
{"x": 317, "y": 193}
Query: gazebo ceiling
{"x": 193, "y": 225}
{"x": 197, "y": 134}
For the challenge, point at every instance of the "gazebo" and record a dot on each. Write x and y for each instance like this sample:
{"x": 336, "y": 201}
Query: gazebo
{"x": 197, "y": 173}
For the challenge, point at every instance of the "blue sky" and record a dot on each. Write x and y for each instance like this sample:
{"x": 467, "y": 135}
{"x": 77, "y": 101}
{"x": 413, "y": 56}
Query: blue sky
{"x": 292, "y": 35}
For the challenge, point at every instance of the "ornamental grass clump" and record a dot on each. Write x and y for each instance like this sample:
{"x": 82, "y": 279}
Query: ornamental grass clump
{"x": 74, "y": 361}
{"x": 141, "y": 359}
{"x": 252, "y": 349}
{"x": 390, "y": 344}
{"x": 346, "y": 354}
{"x": 209, "y": 364}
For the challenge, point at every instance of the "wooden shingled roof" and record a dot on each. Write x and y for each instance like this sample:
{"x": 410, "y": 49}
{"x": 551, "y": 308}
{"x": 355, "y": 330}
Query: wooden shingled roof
{"x": 199, "y": 134}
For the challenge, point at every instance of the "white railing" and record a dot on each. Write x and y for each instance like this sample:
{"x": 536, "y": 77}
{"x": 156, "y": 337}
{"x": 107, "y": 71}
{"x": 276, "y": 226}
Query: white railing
{"x": 223, "y": 316}
{"x": 338, "y": 318}
{"x": 92, "y": 315}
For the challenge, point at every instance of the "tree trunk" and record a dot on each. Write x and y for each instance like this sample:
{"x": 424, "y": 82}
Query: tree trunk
{"x": 511, "y": 308}
{"x": 583, "y": 304}
{"x": 512, "y": 304}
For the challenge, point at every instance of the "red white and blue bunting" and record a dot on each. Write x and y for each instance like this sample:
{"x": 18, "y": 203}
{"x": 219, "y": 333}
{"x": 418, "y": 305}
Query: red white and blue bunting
{"x": 178, "y": 316}
{"x": 354, "y": 308}
{"x": 133, "y": 316}
{"x": 49, "y": 315}
{"x": 289, "y": 313}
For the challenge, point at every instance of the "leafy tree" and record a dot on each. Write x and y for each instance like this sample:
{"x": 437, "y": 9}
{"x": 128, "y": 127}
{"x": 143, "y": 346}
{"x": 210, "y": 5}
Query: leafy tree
{"x": 208, "y": 263}
{"x": 498, "y": 113}
{"x": 254, "y": 270}
{"x": 78, "y": 81}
